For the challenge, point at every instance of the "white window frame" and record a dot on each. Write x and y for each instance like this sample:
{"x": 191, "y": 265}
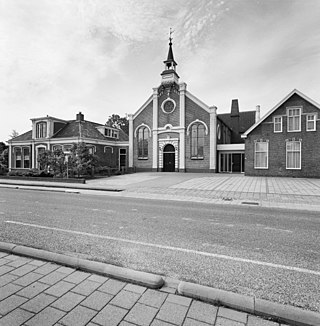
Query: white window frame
{"x": 293, "y": 141}
{"x": 255, "y": 152}
{"x": 314, "y": 120}
{"x": 293, "y": 117}
{"x": 277, "y": 123}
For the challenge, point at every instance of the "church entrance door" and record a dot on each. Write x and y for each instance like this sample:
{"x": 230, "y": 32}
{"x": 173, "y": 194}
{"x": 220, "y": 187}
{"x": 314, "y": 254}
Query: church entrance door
{"x": 169, "y": 158}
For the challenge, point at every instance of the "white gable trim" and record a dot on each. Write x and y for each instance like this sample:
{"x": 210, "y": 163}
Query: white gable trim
{"x": 295, "y": 91}
{"x": 197, "y": 101}
{"x": 149, "y": 100}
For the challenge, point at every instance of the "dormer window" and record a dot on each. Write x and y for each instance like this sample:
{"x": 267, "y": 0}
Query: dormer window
{"x": 112, "y": 133}
{"x": 41, "y": 129}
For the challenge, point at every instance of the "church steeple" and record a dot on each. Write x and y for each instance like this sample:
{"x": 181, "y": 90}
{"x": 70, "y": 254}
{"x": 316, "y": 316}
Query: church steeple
{"x": 169, "y": 74}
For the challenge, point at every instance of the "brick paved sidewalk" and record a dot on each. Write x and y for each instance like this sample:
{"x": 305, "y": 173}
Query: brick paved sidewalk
{"x": 33, "y": 292}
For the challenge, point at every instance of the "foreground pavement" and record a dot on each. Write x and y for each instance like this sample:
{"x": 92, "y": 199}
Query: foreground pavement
{"x": 35, "y": 292}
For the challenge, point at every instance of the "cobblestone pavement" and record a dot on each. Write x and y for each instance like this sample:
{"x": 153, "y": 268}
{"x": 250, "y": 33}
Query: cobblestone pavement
{"x": 33, "y": 292}
{"x": 293, "y": 193}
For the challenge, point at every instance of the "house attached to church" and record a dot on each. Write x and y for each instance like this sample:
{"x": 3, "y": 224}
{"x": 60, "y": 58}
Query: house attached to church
{"x": 175, "y": 131}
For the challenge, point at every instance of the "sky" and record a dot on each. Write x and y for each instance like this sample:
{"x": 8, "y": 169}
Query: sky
{"x": 102, "y": 57}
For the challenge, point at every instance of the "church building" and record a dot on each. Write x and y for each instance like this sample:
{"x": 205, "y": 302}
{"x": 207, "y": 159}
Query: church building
{"x": 174, "y": 131}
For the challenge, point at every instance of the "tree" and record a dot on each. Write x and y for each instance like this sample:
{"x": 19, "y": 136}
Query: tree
{"x": 3, "y": 146}
{"x": 116, "y": 121}
{"x": 14, "y": 134}
{"x": 4, "y": 159}
{"x": 80, "y": 160}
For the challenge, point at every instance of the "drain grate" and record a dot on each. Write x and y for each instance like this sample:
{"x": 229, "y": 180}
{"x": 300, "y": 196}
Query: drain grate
{"x": 250, "y": 203}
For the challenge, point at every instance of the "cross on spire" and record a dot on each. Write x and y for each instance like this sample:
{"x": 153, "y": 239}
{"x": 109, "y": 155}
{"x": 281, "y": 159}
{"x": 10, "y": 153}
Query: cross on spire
{"x": 170, "y": 35}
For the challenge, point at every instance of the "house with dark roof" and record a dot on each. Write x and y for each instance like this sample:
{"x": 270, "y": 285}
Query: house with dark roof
{"x": 286, "y": 141}
{"x": 175, "y": 131}
{"x": 50, "y": 133}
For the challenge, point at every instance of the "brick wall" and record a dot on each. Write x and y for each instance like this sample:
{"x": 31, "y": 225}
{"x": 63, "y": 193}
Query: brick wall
{"x": 193, "y": 112}
{"x": 310, "y": 148}
{"x": 146, "y": 117}
{"x": 171, "y": 118}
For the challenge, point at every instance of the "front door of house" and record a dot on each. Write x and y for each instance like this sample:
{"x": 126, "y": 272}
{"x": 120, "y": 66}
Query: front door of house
{"x": 169, "y": 158}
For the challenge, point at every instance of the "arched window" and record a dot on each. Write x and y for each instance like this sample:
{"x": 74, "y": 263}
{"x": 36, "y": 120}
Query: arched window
{"x": 143, "y": 140}
{"x": 197, "y": 141}
{"x": 41, "y": 129}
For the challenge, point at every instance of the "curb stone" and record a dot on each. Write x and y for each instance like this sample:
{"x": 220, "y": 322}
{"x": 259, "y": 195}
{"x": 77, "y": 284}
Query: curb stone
{"x": 281, "y": 313}
{"x": 276, "y": 311}
{"x": 141, "y": 278}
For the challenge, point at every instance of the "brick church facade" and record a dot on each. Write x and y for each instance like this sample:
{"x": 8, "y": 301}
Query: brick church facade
{"x": 174, "y": 131}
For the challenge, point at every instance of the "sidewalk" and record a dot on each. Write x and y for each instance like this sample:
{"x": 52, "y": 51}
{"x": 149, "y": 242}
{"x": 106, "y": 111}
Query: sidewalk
{"x": 35, "y": 292}
{"x": 231, "y": 189}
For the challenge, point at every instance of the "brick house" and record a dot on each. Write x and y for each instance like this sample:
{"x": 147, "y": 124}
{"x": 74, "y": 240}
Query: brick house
{"x": 175, "y": 131}
{"x": 49, "y": 133}
{"x": 286, "y": 141}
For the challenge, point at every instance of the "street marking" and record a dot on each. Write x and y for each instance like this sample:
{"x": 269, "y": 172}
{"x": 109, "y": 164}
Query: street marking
{"x": 189, "y": 251}
{"x": 281, "y": 230}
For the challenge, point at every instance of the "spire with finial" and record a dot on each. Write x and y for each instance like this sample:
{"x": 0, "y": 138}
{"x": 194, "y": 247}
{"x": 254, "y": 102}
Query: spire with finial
{"x": 169, "y": 74}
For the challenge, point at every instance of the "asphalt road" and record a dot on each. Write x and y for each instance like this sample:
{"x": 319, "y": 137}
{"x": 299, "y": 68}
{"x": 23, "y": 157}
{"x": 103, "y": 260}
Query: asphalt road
{"x": 270, "y": 253}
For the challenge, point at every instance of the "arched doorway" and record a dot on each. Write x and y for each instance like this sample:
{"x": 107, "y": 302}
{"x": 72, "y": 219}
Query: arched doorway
{"x": 169, "y": 158}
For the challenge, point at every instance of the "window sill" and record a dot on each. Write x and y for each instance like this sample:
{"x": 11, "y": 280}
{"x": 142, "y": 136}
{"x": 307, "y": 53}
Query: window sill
{"x": 261, "y": 168}
{"x": 197, "y": 158}
{"x": 142, "y": 158}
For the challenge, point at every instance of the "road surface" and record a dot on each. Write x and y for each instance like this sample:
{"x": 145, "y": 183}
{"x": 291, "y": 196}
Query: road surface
{"x": 270, "y": 253}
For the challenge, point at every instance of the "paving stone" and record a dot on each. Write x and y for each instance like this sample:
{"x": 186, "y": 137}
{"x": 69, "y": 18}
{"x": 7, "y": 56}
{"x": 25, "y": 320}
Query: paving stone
{"x": 135, "y": 288}
{"x": 172, "y": 313}
{"x": 141, "y": 314}
{"x": 47, "y": 317}
{"x": 59, "y": 288}
{"x": 11, "y": 303}
{"x": 53, "y": 278}
{"x": 227, "y": 322}
{"x": 19, "y": 262}
{"x": 97, "y": 300}
{"x": 23, "y": 270}
{"x": 112, "y": 286}
{"x": 15, "y": 318}
{"x": 68, "y": 301}
{"x": 12, "y": 257}
{"x": 125, "y": 323}
{"x": 86, "y": 287}
{"x": 46, "y": 269}
{"x": 37, "y": 262}
{"x": 153, "y": 298}
{"x": 256, "y": 321}
{"x": 38, "y": 303}
{"x": 97, "y": 278}
{"x": 3, "y": 254}
{"x": 28, "y": 279}
{"x": 32, "y": 290}
{"x": 125, "y": 299}
{"x": 167, "y": 289}
{"x": 233, "y": 314}
{"x": 203, "y": 312}
{"x": 4, "y": 261}
{"x": 158, "y": 322}
{"x": 7, "y": 278}
{"x": 178, "y": 299}
{"x": 4, "y": 269}
{"x": 77, "y": 277}
{"x": 79, "y": 316}
{"x": 8, "y": 290}
{"x": 193, "y": 322}
{"x": 65, "y": 270}
{"x": 110, "y": 316}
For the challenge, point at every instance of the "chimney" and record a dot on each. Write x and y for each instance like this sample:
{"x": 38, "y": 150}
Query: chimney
{"x": 234, "y": 108}
{"x": 80, "y": 117}
{"x": 257, "y": 113}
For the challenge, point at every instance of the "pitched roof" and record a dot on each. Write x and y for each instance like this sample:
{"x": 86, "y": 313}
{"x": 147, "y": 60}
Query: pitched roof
{"x": 25, "y": 136}
{"x": 72, "y": 130}
{"x": 246, "y": 120}
{"x": 295, "y": 91}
